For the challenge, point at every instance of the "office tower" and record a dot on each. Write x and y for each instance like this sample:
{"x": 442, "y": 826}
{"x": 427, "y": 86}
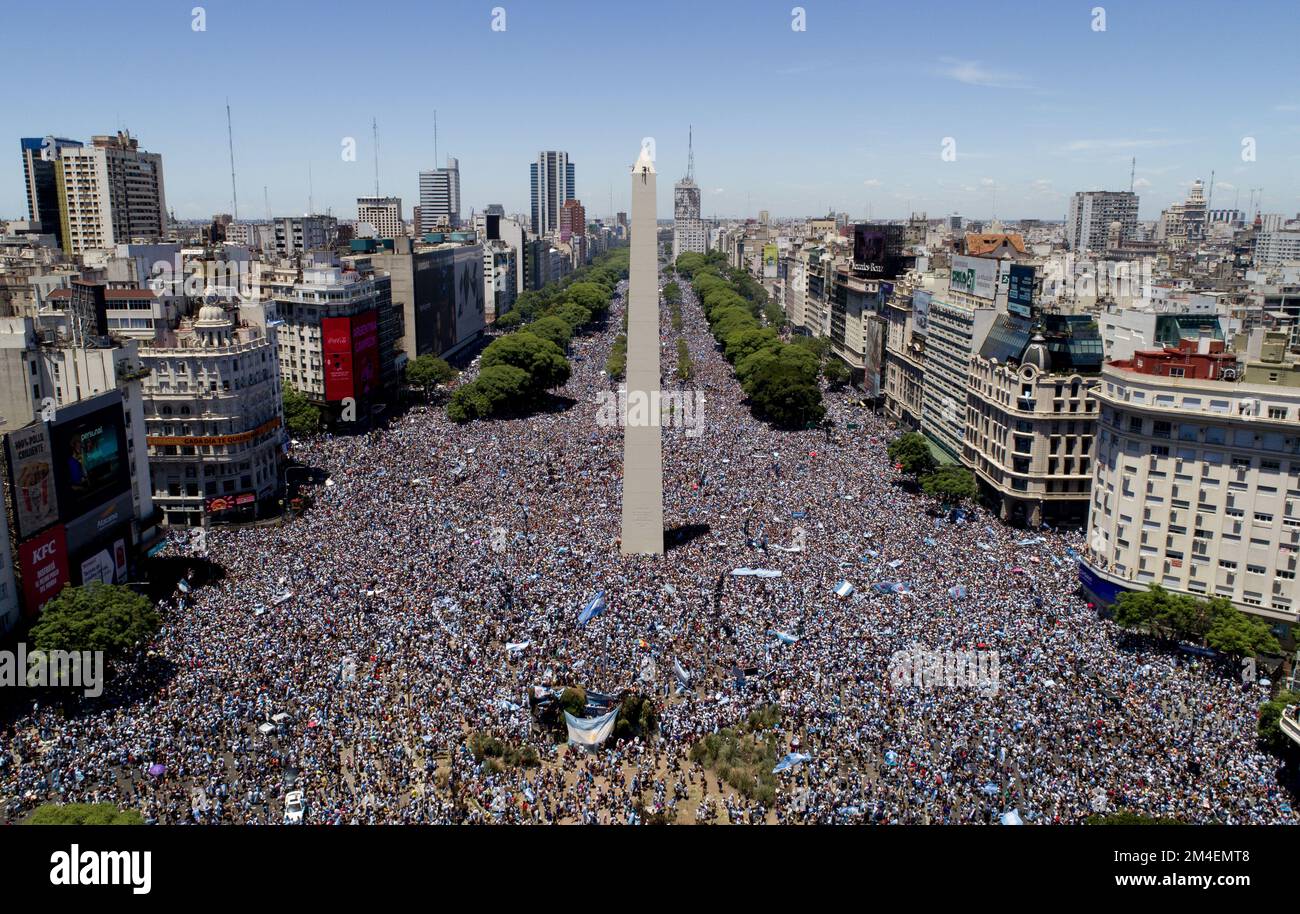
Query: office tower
{"x": 440, "y": 197}
{"x": 643, "y": 469}
{"x": 1092, "y": 212}
{"x": 383, "y": 214}
{"x": 110, "y": 193}
{"x": 688, "y": 230}
{"x": 573, "y": 220}
{"x": 552, "y": 183}
{"x": 40, "y": 159}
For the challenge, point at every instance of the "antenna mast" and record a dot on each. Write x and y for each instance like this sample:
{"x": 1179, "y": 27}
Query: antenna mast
{"x": 374, "y": 125}
{"x": 435, "y": 137}
{"x": 311, "y": 206}
{"x": 1131, "y": 172}
{"x": 690, "y": 153}
{"x": 234, "y": 194}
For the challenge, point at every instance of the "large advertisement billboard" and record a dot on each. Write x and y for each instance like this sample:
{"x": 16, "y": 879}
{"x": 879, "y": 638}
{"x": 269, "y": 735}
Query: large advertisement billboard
{"x": 88, "y": 447}
{"x": 869, "y": 250}
{"x": 1020, "y": 290}
{"x": 976, "y": 276}
{"x": 350, "y": 348}
{"x": 31, "y": 468}
{"x": 920, "y": 311}
{"x": 469, "y": 291}
{"x": 43, "y": 565}
{"x": 769, "y": 261}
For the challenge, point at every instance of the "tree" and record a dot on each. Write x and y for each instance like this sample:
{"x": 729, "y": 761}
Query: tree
{"x": 573, "y": 314}
{"x": 1236, "y": 634}
{"x": 590, "y": 295}
{"x": 782, "y": 393}
{"x": 746, "y": 342}
{"x": 912, "y": 450}
{"x": 553, "y": 328}
{"x": 672, "y": 293}
{"x": 507, "y": 388}
{"x": 427, "y": 371}
{"x": 83, "y": 814}
{"x": 616, "y": 364}
{"x": 774, "y": 314}
{"x": 541, "y": 358}
{"x": 835, "y": 372}
{"x": 300, "y": 416}
{"x": 96, "y": 617}
{"x": 950, "y": 483}
{"x": 1269, "y": 726}
{"x": 511, "y": 320}
{"x": 820, "y": 346}
{"x": 468, "y": 403}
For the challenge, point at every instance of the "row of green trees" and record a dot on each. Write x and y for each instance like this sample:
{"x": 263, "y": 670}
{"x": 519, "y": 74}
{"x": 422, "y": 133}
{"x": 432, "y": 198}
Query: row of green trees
{"x": 517, "y": 369}
{"x": 779, "y": 378}
{"x": 1214, "y": 622}
{"x": 950, "y": 483}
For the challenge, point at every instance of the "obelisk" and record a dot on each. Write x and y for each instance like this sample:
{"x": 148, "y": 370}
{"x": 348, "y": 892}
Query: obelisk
{"x": 643, "y": 463}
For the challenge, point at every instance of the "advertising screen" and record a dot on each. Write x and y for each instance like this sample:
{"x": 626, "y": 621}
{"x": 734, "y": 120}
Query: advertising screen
{"x": 31, "y": 465}
{"x": 920, "y": 311}
{"x": 869, "y": 250}
{"x": 470, "y": 306}
{"x": 43, "y": 564}
{"x": 90, "y": 461}
{"x": 1020, "y": 290}
{"x": 976, "y": 276}
{"x": 769, "y": 261}
{"x": 350, "y": 347}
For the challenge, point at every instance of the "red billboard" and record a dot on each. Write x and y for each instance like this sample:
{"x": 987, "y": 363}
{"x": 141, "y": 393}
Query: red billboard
{"x": 43, "y": 564}
{"x": 350, "y": 346}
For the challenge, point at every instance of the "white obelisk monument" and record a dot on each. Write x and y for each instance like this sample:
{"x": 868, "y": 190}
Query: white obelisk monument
{"x": 643, "y": 463}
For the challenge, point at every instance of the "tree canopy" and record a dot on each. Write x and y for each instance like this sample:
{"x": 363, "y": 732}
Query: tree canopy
{"x": 427, "y": 371}
{"x": 96, "y": 617}
{"x": 912, "y": 450}
{"x": 301, "y": 417}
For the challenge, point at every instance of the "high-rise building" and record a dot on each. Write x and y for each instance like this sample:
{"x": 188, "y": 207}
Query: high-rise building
{"x": 1092, "y": 212}
{"x": 1194, "y": 471}
{"x": 688, "y": 230}
{"x": 440, "y": 198}
{"x": 297, "y": 234}
{"x": 552, "y": 177}
{"x": 110, "y": 192}
{"x": 40, "y": 160}
{"x": 383, "y": 214}
{"x": 573, "y": 220}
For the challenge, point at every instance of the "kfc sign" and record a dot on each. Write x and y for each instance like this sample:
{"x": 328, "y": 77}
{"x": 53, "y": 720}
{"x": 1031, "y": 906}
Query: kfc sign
{"x": 43, "y": 564}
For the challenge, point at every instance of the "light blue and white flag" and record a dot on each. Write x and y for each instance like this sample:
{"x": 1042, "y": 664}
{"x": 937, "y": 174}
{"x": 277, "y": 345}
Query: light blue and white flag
{"x": 594, "y": 607}
{"x": 790, "y": 761}
{"x": 590, "y": 732}
{"x": 844, "y": 589}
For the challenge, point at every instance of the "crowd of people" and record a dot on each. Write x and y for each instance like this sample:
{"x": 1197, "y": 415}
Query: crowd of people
{"x": 352, "y": 652}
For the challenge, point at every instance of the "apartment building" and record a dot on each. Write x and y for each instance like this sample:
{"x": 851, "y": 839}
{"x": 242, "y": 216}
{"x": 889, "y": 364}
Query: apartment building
{"x": 1194, "y": 484}
{"x": 109, "y": 192}
{"x": 214, "y": 419}
{"x": 1030, "y": 419}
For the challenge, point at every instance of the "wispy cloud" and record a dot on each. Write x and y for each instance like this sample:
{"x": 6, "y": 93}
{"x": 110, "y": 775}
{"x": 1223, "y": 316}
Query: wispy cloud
{"x": 872, "y": 182}
{"x": 1286, "y": 107}
{"x": 1112, "y": 145}
{"x": 974, "y": 73}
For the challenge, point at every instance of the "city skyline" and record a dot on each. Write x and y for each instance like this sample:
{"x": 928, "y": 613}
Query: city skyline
{"x": 1038, "y": 106}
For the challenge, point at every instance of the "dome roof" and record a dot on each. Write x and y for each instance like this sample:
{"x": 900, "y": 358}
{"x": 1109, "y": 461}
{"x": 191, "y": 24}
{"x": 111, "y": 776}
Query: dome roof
{"x": 212, "y": 315}
{"x": 1036, "y": 353}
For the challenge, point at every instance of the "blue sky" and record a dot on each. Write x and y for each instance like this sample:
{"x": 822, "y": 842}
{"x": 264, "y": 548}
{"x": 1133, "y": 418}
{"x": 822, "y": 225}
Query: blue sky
{"x": 849, "y": 114}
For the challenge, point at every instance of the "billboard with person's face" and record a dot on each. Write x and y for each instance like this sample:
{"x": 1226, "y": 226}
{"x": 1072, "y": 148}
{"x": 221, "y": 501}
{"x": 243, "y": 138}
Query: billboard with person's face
{"x": 88, "y": 448}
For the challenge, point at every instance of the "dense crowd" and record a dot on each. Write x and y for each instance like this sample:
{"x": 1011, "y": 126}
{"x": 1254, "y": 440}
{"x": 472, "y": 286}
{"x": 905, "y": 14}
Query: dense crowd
{"x": 351, "y": 652}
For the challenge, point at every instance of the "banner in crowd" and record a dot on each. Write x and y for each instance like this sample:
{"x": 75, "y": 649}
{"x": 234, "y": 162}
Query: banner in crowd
{"x": 590, "y": 732}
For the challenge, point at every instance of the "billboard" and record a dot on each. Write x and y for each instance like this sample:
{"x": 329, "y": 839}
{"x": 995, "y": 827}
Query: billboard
{"x": 976, "y": 276}
{"x": 43, "y": 565}
{"x": 1020, "y": 290}
{"x": 769, "y": 261}
{"x": 920, "y": 311}
{"x": 31, "y": 479}
{"x": 106, "y": 565}
{"x": 88, "y": 447}
{"x": 350, "y": 349}
{"x": 869, "y": 250}
{"x": 469, "y": 292}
